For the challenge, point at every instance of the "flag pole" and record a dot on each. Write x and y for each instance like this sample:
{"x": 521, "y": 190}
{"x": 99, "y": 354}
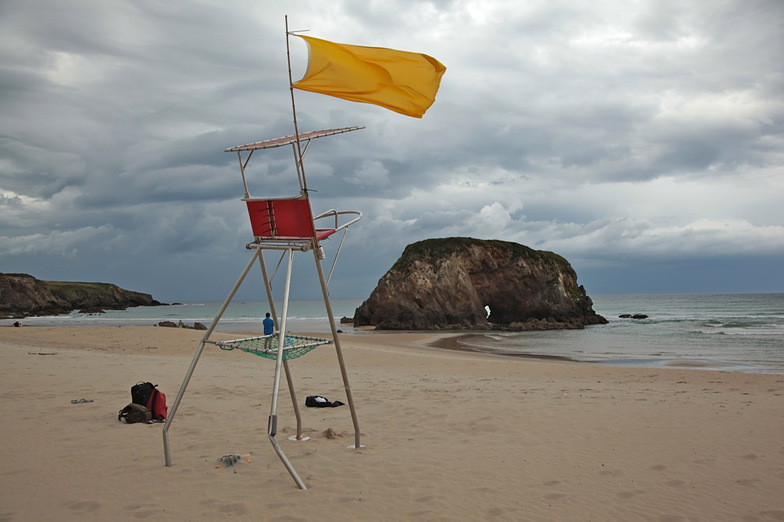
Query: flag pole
{"x": 298, "y": 153}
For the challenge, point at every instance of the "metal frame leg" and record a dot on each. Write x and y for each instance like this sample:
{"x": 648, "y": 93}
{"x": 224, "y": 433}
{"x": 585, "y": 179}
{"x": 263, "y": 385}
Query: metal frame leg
{"x": 289, "y": 379}
{"x": 197, "y": 355}
{"x": 272, "y": 426}
{"x": 338, "y": 350}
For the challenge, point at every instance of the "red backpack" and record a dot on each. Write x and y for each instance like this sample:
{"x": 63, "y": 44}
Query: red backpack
{"x": 148, "y": 395}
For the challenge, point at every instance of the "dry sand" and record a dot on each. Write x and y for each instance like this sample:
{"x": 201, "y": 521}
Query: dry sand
{"x": 448, "y": 435}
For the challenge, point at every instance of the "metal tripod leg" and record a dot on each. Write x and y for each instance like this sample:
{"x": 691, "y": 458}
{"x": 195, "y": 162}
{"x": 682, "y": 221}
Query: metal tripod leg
{"x": 197, "y": 355}
{"x": 289, "y": 380}
{"x": 272, "y": 426}
{"x": 338, "y": 349}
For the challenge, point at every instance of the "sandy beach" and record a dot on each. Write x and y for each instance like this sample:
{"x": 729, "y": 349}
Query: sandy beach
{"x": 448, "y": 435}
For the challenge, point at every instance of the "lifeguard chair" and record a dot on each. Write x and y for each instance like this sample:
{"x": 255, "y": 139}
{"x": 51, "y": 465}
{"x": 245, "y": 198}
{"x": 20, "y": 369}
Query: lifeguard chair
{"x": 286, "y": 225}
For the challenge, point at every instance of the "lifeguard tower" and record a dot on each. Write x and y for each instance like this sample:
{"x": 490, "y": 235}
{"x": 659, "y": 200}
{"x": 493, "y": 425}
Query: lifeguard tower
{"x": 285, "y": 226}
{"x": 401, "y": 81}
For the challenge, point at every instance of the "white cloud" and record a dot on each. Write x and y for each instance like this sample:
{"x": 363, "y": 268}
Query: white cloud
{"x": 371, "y": 173}
{"x": 54, "y": 243}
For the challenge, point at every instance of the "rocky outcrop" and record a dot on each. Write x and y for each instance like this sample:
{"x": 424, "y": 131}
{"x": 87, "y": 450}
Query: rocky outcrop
{"x": 22, "y": 295}
{"x": 447, "y": 283}
{"x": 171, "y": 324}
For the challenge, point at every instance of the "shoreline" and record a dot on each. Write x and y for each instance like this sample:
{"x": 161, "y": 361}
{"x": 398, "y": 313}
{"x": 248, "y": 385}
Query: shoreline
{"x": 741, "y": 333}
{"x": 458, "y": 342}
{"x": 454, "y": 343}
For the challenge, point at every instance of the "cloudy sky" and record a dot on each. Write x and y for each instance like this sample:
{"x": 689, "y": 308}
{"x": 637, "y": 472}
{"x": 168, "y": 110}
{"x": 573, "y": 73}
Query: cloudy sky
{"x": 642, "y": 140}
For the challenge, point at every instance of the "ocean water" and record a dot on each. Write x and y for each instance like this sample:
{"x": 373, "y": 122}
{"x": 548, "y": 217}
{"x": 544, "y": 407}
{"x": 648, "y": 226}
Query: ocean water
{"x": 733, "y": 332}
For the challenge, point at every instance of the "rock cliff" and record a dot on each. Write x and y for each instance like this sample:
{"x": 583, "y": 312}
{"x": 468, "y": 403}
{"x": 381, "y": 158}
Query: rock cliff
{"x": 22, "y": 295}
{"x": 447, "y": 283}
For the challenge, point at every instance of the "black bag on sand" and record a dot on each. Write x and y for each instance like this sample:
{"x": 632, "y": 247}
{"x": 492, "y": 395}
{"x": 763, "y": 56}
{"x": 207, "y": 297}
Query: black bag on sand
{"x": 141, "y": 391}
{"x": 134, "y": 413}
{"x": 317, "y": 401}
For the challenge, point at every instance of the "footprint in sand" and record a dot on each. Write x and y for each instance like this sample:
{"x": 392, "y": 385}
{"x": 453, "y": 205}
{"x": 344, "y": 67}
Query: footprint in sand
{"x": 83, "y": 507}
{"x": 142, "y": 510}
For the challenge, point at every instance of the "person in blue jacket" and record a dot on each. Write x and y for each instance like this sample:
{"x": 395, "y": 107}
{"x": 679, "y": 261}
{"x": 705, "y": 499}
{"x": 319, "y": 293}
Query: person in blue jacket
{"x": 269, "y": 325}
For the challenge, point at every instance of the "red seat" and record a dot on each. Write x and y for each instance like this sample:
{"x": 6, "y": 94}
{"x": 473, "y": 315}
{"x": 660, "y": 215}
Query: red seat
{"x": 285, "y": 219}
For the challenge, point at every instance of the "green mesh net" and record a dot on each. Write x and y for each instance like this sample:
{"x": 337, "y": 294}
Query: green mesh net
{"x": 267, "y": 346}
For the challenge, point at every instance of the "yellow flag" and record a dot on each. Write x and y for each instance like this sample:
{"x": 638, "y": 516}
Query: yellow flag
{"x": 401, "y": 81}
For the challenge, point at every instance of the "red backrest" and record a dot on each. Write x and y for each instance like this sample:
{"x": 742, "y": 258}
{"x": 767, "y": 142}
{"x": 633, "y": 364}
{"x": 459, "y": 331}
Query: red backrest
{"x": 285, "y": 218}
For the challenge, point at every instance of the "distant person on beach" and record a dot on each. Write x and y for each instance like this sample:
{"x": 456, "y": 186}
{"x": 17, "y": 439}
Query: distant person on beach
{"x": 269, "y": 325}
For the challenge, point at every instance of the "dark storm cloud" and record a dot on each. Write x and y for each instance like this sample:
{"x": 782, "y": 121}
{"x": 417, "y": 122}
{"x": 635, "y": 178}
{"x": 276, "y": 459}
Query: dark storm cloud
{"x": 632, "y": 139}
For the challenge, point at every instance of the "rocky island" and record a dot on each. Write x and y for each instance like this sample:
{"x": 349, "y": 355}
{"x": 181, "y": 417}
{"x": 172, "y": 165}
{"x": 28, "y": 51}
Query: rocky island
{"x": 466, "y": 283}
{"x": 22, "y": 295}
